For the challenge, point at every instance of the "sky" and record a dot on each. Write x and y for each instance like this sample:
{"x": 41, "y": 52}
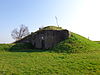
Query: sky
{"x": 79, "y": 16}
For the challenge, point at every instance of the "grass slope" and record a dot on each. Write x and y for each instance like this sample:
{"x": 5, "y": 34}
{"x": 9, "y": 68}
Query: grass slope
{"x": 52, "y": 28}
{"x": 97, "y": 42}
{"x": 76, "y": 43}
{"x": 46, "y": 63}
{"x": 15, "y": 47}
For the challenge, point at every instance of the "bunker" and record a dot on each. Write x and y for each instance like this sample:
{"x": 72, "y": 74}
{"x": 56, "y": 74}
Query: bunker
{"x": 45, "y": 39}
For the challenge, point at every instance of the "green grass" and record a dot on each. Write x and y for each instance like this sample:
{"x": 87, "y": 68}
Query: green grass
{"x": 52, "y": 28}
{"x": 97, "y": 42}
{"x": 46, "y": 63}
{"x": 5, "y": 47}
{"x": 15, "y": 47}
{"x": 76, "y": 43}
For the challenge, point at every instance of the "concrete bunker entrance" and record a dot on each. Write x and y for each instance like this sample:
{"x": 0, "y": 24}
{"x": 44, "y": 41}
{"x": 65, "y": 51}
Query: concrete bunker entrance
{"x": 45, "y": 39}
{"x": 42, "y": 42}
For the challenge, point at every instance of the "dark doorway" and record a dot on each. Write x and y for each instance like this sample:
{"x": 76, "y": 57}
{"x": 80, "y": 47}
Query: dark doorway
{"x": 43, "y": 42}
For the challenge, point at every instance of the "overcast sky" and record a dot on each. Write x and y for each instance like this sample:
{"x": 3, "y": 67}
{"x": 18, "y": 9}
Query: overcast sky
{"x": 79, "y": 16}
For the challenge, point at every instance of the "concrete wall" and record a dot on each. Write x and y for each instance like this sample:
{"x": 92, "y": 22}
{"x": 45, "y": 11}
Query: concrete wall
{"x": 45, "y": 39}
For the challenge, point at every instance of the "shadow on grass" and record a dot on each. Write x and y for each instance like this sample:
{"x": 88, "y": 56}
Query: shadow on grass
{"x": 25, "y": 48}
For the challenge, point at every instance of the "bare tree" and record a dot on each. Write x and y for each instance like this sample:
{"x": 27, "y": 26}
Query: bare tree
{"x": 18, "y": 34}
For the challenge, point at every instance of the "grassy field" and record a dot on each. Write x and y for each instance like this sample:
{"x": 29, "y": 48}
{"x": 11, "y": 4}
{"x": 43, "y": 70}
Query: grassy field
{"x": 46, "y": 63}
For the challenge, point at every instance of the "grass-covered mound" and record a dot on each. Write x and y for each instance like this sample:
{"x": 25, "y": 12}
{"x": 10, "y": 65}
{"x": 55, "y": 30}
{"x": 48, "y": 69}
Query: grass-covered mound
{"x": 76, "y": 43}
{"x": 73, "y": 44}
